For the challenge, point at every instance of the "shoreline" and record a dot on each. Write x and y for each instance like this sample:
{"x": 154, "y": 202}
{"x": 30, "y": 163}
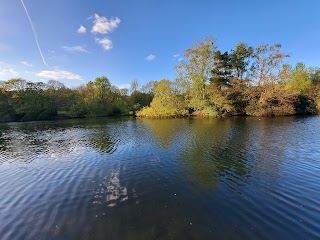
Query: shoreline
{"x": 57, "y": 119}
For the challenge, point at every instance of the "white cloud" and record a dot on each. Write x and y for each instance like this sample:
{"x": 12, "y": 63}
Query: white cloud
{"x": 103, "y": 25}
{"x": 51, "y": 51}
{"x": 180, "y": 59}
{"x": 123, "y": 86}
{"x": 150, "y": 57}
{"x": 26, "y": 64}
{"x": 82, "y": 29}
{"x": 176, "y": 55}
{"x": 105, "y": 43}
{"x": 75, "y": 49}
{"x": 59, "y": 75}
{"x": 7, "y": 71}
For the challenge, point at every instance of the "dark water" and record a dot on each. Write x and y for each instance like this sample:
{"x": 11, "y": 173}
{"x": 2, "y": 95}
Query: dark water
{"x": 238, "y": 178}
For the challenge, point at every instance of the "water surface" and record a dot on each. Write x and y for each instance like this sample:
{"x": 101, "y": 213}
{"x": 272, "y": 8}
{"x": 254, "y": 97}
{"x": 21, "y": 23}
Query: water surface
{"x": 122, "y": 178}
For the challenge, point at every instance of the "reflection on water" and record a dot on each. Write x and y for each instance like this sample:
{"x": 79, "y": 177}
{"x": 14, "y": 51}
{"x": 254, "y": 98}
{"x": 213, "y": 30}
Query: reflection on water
{"x": 103, "y": 142}
{"x": 50, "y": 142}
{"x": 115, "y": 191}
{"x": 164, "y": 131}
{"x": 214, "y": 152}
{"x": 3, "y": 141}
{"x": 112, "y": 190}
{"x": 121, "y": 178}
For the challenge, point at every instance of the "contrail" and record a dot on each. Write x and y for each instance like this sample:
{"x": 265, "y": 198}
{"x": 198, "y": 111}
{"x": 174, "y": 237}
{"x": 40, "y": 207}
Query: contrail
{"x": 34, "y": 33}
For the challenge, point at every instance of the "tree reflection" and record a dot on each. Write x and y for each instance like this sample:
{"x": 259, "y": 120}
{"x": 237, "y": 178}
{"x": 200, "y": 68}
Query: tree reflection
{"x": 269, "y": 141}
{"x": 215, "y": 152}
{"x": 164, "y": 131}
{"x": 103, "y": 141}
{"x": 3, "y": 138}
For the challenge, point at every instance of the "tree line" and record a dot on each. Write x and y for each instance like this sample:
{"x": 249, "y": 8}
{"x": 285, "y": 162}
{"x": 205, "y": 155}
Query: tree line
{"x": 242, "y": 81}
{"x": 25, "y": 101}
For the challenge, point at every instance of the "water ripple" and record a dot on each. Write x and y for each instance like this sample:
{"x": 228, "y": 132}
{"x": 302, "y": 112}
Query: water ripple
{"x": 238, "y": 178}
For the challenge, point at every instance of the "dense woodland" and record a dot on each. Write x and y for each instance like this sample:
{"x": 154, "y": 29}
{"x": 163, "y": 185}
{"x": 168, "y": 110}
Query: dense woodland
{"x": 243, "y": 81}
{"x": 25, "y": 101}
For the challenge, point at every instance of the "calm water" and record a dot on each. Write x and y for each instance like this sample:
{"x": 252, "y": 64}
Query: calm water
{"x": 121, "y": 178}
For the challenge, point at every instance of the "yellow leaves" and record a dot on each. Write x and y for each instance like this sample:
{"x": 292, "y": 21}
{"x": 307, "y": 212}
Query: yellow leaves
{"x": 166, "y": 102}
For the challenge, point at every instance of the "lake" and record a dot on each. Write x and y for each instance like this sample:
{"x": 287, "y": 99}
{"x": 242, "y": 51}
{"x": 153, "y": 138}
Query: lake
{"x": 127, "y": 178}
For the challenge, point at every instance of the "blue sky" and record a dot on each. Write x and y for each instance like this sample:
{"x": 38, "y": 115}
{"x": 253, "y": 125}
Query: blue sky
{"x": 142, "y": 39}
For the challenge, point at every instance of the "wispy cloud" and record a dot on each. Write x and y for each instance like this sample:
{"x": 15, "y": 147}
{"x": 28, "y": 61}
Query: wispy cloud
{"x": 34, "y": 33}
{"x": 51, "y": 51}
{"x": 82, "y": 29}
{"x": 176, "y": 55}
{"x": 26, "y": 64}
{"x": 150, "y": 57}
{"x": 59, "y": 75}
{"x": 103, "y": 25}
{"x": 3, "y": 64}
{"x": 75, "y": 49}
{"x": 123, "y": 86}
{"x": 105, "y": 43}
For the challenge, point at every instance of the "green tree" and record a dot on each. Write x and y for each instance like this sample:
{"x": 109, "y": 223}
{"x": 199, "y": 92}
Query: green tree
{"x": 228, "y": 83}
{"x": 314, "y": 73}
{"x": 140, "y": 99}
{"x": 7, "y": 112}
{"x": 103, "y": 88}
{"x": 314, "y": 92}
{"x": 240, "y": 60}
{"x": 195, "y": 73}
{"x": 221, "y": 72}
{"x": 298, "y": 79}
